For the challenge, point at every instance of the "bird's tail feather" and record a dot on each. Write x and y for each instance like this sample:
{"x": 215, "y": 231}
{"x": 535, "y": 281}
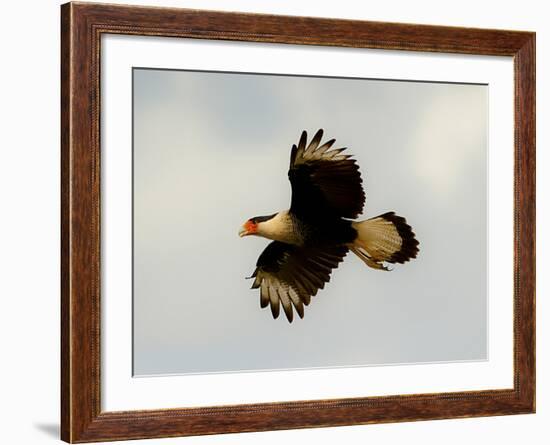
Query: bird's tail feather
{"x": 384, "y": 239}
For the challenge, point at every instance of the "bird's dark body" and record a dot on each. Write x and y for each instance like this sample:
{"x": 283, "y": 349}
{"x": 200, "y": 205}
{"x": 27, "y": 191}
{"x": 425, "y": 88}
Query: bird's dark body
{"x": 327, "y": 230}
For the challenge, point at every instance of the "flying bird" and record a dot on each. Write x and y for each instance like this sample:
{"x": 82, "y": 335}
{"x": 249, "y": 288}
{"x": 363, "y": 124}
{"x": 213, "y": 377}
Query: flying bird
{"x": 314, "y": 235}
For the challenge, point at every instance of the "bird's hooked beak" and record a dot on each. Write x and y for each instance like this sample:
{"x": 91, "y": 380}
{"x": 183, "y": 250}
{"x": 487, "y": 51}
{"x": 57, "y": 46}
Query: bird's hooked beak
{"x": 248, "y": 228}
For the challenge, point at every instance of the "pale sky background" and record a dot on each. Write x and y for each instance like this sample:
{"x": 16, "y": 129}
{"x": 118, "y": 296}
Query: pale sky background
{"x": 212, "y": 150}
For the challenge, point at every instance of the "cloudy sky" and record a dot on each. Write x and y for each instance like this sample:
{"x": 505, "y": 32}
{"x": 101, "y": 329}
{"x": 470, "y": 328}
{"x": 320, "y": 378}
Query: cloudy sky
{"x": 212, "y": 150}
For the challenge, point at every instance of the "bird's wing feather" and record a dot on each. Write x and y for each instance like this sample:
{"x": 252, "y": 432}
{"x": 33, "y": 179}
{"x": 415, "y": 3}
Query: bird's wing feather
{"x": 289, "y": 275}
{"x": 324, "y": 181}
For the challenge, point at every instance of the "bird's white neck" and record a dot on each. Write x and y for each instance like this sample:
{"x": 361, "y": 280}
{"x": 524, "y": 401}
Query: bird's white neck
{"x": 280, "y": 228}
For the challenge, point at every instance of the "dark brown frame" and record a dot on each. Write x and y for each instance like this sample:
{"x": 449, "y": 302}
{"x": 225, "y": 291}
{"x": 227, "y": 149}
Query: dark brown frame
{"x": 82, "y": 25}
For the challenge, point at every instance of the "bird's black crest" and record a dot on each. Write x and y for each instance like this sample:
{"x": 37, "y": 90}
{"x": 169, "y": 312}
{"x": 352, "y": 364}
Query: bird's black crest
{"x": 259, "y": 219}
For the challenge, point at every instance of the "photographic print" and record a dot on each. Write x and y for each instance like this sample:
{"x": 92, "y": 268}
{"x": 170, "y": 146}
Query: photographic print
{"x": 273, "y": 222}
{"x": 370, "y": 243}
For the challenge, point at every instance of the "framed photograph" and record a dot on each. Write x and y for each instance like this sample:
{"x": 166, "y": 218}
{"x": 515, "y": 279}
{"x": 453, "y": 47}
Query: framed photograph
{"x": 274, "y": 222}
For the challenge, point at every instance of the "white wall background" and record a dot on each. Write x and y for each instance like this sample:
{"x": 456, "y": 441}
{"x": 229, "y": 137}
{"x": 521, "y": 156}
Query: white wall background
{"x": 29, "y": 235}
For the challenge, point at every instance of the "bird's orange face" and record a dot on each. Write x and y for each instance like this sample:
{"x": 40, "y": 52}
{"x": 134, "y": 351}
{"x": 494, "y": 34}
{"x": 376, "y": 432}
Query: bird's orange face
{"x": 250, "y": 227}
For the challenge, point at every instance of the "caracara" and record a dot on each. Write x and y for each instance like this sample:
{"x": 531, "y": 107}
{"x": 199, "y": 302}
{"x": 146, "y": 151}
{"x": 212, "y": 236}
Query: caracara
{"x": 314, "y": 235}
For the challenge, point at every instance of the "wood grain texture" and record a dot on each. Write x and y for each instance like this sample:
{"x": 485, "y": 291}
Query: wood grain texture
{"x": 81, "y": 28}
{"x": 65, "y": 234}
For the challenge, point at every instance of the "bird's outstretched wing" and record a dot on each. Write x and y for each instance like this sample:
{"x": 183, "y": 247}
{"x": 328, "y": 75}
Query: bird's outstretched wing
{"x": 290, "y": 275}
{"x": 324, "y": 181}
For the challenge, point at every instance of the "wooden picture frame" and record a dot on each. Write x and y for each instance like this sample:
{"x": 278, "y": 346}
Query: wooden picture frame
{"x": 82, "y": 25}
